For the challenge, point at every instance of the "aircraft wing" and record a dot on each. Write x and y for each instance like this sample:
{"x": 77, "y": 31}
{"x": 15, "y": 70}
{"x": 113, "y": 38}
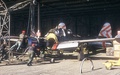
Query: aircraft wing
{"x": 93, "y": 40}
{"x": 75, "y": 43}
{"x": 67, "y": 44}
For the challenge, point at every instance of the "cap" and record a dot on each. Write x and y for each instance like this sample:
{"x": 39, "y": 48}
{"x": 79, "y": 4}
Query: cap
{"x": 61, "y": 25}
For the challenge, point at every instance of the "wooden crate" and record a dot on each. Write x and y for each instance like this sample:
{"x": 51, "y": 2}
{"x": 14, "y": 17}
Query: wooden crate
{"x": 109, "y": 51}
{"x": 116, "y": 53}
{"x": 116, "y": 47}
{"x": 116, "y": 42}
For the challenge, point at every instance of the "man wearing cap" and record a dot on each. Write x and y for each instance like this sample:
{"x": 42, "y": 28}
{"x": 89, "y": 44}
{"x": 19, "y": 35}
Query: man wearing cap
{"x": 19, "y": 42}
{"x": 61, "y": 31}
{"x": 62, "y": 25}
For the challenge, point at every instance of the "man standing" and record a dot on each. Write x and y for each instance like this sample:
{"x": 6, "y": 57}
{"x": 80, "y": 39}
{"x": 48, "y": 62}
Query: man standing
{"x": 31, "y": 53}
{"x": 19, "y": 42}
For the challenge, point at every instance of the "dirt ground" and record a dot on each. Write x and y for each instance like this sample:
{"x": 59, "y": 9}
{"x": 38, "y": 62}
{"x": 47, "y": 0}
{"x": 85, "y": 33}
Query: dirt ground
{"x": 69, "y": 65}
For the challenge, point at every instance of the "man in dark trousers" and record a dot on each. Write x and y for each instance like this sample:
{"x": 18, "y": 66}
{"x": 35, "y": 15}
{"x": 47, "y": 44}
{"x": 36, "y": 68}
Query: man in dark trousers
{"x": 4, "y": 51}
{"x": 31, "y": 53}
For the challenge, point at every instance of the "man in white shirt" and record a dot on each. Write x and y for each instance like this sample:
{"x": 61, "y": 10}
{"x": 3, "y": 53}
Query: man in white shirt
{"x": 19, "y": 42}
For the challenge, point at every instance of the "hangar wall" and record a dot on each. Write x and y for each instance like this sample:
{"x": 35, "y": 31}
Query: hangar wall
{"x": 84, "y": 25}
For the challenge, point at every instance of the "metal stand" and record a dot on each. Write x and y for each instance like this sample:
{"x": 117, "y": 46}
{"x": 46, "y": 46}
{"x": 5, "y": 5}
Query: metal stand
{"x": 87, "y": 58}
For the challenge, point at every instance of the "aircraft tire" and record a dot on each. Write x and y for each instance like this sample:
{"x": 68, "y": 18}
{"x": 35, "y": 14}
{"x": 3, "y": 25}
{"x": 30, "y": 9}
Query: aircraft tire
{"x": 52, "y": 60}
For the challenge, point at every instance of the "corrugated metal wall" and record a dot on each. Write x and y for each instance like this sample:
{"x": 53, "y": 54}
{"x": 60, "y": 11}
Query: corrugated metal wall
{"x": 84, "y": 25}
{"x": 83, "y": 17}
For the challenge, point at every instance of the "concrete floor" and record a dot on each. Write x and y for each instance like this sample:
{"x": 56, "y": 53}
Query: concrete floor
{"x": 69, "y": 65}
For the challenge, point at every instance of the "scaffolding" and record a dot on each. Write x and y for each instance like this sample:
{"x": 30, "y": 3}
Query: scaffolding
{"x": 5, "y": 22}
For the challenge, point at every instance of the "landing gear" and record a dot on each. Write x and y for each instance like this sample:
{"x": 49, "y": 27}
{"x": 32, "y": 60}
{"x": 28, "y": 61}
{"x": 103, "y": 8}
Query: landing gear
{"x": 80, "y": 56}
{"x": 52, "y": 60}
{"x": 80, "y": 50}
{"x": 87, "y": 58}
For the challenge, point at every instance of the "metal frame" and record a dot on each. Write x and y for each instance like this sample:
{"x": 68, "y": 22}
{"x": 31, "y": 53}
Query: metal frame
{"x": 5, "y": 21}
